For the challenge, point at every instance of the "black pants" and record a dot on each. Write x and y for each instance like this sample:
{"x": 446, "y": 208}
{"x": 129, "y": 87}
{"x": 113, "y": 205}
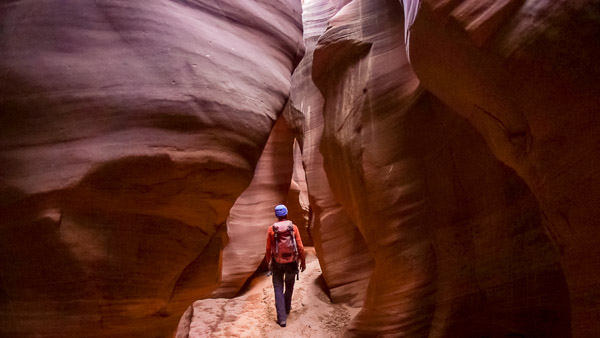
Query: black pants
{"x": 283, "y": 299}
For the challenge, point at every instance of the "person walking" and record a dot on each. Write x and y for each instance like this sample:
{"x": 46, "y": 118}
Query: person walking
{"x": 284, "y": 251}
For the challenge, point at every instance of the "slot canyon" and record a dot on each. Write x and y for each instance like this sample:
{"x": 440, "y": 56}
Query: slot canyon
{"x": 436, "y": 155}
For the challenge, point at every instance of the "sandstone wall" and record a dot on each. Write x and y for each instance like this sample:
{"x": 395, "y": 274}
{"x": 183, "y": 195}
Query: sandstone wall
{"x": 457, "y": 238}
{"x": 525, "y": 74}
{"x": 298, "y": 197}
{"x": 253, "y": 211}
{"x": 341, "y": 249}
{"x": 448, "y": 146}
{"x": 127, "y": 131}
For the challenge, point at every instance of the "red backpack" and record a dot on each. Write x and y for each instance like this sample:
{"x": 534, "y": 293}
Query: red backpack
{"x": 284, "y": 248}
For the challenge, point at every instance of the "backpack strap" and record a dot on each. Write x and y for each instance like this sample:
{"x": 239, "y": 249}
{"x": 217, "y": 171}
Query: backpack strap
{"x": 291, "y": 230}
{"x": 275, "y": 234}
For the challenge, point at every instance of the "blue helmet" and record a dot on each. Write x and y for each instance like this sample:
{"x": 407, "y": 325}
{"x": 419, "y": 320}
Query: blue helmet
{"x": 280, "y": 210}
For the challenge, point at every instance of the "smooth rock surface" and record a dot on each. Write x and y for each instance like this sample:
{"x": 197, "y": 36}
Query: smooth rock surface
{"x": 449, "y": 163}
{"x": 127, "y": 131}
{"x": 525, "y": 74}
{"x": 253, "y": 213}
{"x": 341, "y": 249}
{"x": 457, "y": 237}
{"x": 298, "y": 200}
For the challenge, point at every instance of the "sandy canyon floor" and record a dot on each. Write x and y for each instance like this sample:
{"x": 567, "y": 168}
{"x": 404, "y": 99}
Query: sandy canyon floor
{"x": 252, "y": 314}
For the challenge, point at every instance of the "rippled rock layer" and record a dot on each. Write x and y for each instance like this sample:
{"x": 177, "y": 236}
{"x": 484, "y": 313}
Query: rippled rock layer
{"x": 446, "y": 161}
{"x": 448, "y": 131}
{"x": 127, "y": 132}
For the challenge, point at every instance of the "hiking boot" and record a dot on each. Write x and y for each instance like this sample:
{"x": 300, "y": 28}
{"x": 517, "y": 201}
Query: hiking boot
{"x": 282, "y": 324}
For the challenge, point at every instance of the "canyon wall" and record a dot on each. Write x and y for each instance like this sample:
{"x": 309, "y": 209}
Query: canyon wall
{"x": 344, "y": 257}
{"x": 127, "y": 131}
{"x": 253, "y": 211}
{"x": 448, "y": 147}
{"x": 525, "y": 74}
{"x": 425, "y": 131}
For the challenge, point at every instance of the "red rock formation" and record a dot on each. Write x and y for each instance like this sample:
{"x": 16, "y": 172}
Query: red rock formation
{"x": 449, "y": 154}
{"x": 298, "y": 198}
{"x": 456, "y": 236}
{"x": 525, "y": 75}
{"x": 341, "y": 249}
{"x": 127, "y": 131}
{"x": 252, "y": 212}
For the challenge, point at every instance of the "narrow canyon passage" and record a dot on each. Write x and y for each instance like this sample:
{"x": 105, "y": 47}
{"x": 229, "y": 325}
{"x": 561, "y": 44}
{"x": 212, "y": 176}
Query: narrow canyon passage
{"x": 252, "y": 314}
{"x": 439, "y": 157}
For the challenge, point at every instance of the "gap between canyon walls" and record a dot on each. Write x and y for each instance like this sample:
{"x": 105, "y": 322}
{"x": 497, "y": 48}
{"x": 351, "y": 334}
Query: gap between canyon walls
{"x": 415, "y": 220}
{"x": 442, "y": 153}
{"x": 279, "y": 178}
{"x": 438, "y": 209}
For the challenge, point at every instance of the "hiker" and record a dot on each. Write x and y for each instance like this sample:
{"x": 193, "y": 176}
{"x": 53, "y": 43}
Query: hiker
{"x": 284, "y": 250}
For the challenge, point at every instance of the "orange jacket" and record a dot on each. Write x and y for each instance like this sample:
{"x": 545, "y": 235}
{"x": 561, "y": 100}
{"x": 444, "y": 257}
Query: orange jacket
{"x": 271, "y": 239}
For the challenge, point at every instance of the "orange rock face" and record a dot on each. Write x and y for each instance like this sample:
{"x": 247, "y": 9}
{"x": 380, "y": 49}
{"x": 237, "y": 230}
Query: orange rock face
{"x": 526, "y": 77}
{"x": 457, "y": 237}
{"x": 253, "y": 212}
{"x": 449, "y": 161}
{"x": 127, "y": 131}
{"x": 342, "y": 252}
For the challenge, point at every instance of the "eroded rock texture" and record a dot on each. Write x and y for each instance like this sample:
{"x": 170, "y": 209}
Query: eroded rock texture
{"x": 252, "y": 212}
{"x": 342, "y": 252}
{"x": 525, "y": 74}
{"x": 449, "y": 148}
{"x": 298, "y": 197}
{"x": 127, "y": 131}
{"x": 457, "y": 237}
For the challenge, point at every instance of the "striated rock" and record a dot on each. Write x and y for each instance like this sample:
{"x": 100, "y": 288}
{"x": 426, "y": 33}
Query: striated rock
{"x": 127, "y": 131}
{"x": 298, "y": 201}
{"x": 252, "y": 212}
{"x": 343, "y": 255}
{"x": 525, "y": 75}
{"x": 457, "y": 238}
{"x": 299, "y": 176}
{"x": 448, "y": 171}
{"x": 297, "y": 214}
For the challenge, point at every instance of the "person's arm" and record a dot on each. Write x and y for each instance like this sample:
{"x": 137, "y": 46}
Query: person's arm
{"x": 300, "y": 249}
